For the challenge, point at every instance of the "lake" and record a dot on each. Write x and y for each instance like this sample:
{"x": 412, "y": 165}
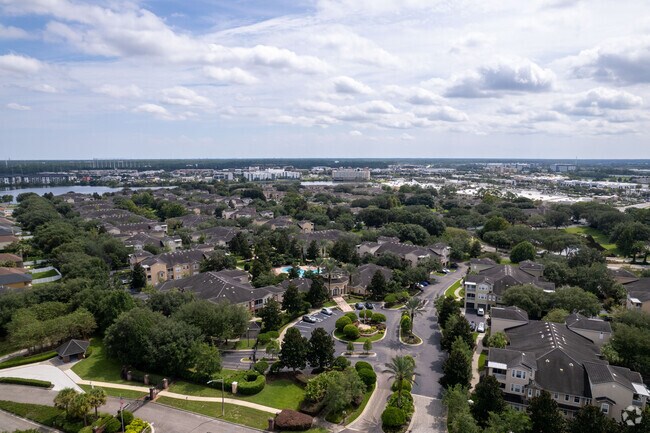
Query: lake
{"x": 80, "y": 189}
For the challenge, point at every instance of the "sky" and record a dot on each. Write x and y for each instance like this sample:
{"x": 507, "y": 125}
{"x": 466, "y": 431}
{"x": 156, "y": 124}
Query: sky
{"x": 324, "y": 78}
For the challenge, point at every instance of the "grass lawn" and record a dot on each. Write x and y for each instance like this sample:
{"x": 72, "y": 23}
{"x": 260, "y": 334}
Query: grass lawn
{"x": 352, "y": 299}
{"x": 115, "y": 392}
{"x": 482, "y": 359}
{"x": 598, "y": 236}
{"x": 98, "y": 366}
{"x": 329, "y": 304}
{"x": 245, "y": 344}
{"x": 41, "y": 414}
{"x": 337, "y": 418}
{"x": 450, "y": 291}
{"x": 280, "y": 394}
{"x": 23, "y": 360}
{"x": 46, "y": 274}
{"x": 233, "y": 413}
{"x": 362, "y": 339}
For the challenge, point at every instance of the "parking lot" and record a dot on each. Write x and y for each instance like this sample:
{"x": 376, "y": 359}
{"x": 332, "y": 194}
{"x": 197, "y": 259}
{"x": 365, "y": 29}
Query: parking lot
{"x": 470, "y": 315}
{"x": 322, "y": 321}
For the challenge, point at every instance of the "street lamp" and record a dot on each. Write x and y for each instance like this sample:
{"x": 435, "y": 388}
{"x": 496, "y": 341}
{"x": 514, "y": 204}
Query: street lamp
{"x": 223, "y": 413}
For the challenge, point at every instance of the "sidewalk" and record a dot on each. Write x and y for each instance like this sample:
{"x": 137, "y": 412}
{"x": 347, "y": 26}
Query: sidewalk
{"x": 477, "y": 353}
{"x": 218, "y": 400}
{"x": 342, "y": 304}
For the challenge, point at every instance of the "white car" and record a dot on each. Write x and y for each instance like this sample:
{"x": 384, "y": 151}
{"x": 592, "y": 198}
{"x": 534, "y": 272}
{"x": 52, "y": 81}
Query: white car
{"x": 480, "y": 312}
{"x": 446, "y": 271}
{"x": 481, "y": 327}
{"x": 326, "y": 311}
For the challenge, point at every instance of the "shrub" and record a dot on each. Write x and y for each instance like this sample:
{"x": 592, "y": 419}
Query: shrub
{"x": 360, "y": 365}
{"x": 352, "y": 316}
{"x": 263, "y": 339}
{"x": 261, "y": 366}
{"x": 253, "y": 384}
{"x": 113, "y": 425}
{"x": 390, "y": 299}
{"x": 22, "y": 360}
{"x": 365, "y": 314}
{"x": 367, "y": 376}
{"x": 351, "y": 332}
{"x": 393, "y": 417}
{"x": 292, "y": 420}
{"x": 378, "y": 318}
{"x": 136, "y": 426}
{"x": 127, "y": 417}
{"x": 341, "y": 363}
{"x": 406, "y": 385}
{"x": 26, "y": 382}
{"x": 342, "y": 322}
{"x": 273, "y": 334}
{"x": 276, "y": 367}
{"x": 407, "y": 403}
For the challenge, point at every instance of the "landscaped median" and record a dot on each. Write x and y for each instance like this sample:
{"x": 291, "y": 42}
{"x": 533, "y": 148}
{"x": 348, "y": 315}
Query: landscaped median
{"x": 371, "y": 326}
{"x": 451, "y": 289}
{"x": 26, "y": 382}
{"x": 31, "y": 359}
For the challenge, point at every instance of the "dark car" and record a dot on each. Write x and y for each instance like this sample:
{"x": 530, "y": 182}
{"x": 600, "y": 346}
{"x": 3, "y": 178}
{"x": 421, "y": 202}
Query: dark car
{"x": 472, "y": 326}
{"x": 370, "y": 306}
{"x": 359, "y": 306}
{"x": 308, "y": 319}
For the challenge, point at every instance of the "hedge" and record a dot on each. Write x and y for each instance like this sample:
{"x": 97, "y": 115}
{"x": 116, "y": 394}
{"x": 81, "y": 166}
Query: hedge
{"x": 407, "y": 402}
{"x": 291, "y": 420}
{"x": 393, "y": 417}
{"x": 136, "y": 426}
{"x": 261, "y": 366}
{"x": 22, "y": 360}
{"x": 351, "y": 332}
{"x": 26, "y": 382}
{"x": 250, "y": 383}
{"x": 406, "y": 385}
{"x": 360, "y": 365}
{"x": 367, "y": 376}
{"x": 342, "y": 322}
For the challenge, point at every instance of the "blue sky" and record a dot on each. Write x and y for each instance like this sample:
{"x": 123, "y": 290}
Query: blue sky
{"x": 324, "y": 78}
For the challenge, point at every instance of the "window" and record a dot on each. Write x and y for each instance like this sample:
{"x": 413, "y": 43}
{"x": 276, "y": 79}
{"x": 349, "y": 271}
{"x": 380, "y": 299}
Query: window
{"x": 516, "y": 388}
{"x": 566, "y": 397}
{"x": 530, "y": 392}
{"x": 519, "y": 374}
{"x": 604, "y": 407}
{"x": 576, "y": 399}
{"x": 556, "y": 396}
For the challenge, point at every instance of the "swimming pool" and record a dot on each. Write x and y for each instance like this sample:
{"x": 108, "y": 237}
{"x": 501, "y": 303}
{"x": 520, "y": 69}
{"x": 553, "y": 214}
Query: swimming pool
{"x": 301, "y": 271}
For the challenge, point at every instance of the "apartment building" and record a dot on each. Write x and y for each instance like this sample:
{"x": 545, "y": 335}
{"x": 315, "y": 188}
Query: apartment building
{"x": 351, "y": 174}
{"x": 170, "y": 266}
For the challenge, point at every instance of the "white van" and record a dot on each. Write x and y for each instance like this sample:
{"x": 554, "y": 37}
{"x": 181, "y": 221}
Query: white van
{"x": 480, "y": 312}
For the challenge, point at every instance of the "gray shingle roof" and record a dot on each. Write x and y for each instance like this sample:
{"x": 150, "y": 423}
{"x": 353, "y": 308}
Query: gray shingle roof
{"x": 578, "y": 321}
{"x": 509, "y": 313}
{"x": 73, "y": 347}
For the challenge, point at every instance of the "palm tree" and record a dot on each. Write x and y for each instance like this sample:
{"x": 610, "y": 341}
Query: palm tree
{"x": 79, "y": 407}
{"x": 330, "y": 266}
{"x": 401, "y": 368}
{"x": 64, "y": 397}
{"x": 96, "y": 397}
{"x": 414, "y": 306}
{"x": 319, "y": 262}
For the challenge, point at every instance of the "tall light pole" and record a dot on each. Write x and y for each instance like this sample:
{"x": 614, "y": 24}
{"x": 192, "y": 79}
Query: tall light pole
{"x": 223, "y": 413}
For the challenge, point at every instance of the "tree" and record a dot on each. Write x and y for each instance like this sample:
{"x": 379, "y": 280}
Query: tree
{"x": 377, "y": 286}
{"x": 79, "y": 407}
{"x": 487, "y": 397}
{"x": 294, "y": 350}
{"x": 96, "y": 398}
{"x": 318, "y": 293}
{"x": 458, "y": 366}
{"x": 522, "y": 251}
{"x": 321, "y": 349}
{"x": 218, "y": 261}
{"x": 575, "y": 299}
{"x": 475, "y": 249}
{"x": 401, "y": 370}
{"x": 111, "y": 305}
{"x": 556, "y": 315}
{"x": 207, "y": 360}
{"x": 64, "y": 397}
{"x": 367, "y": 346}
{"x": 239, "y": 245}
{"x": 529, "y": 298}
{"x": 273, "y": 348}
{"x": 498, "y": 340}
{"x": 457, "y": 327}
{"x": 292, "y": 302}
{"x": 446, "y": 307}
{"x": 350, "y": 347}
{"x": 271, "y": 315}
{"x": 591, "y": 419}
{"x": 169, "y": 302}
{"x": 343, "y": 388}
{"x": 138, "y": 277}
{"x": 544, "y": 414}
{"x": 508, "y": 421}
{"x": 414, "y": 307}
{"x": 313, "y": 252}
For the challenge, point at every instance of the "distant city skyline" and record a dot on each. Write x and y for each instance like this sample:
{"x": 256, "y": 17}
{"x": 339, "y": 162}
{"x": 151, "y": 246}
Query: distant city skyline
{"x": 156, "y": 79}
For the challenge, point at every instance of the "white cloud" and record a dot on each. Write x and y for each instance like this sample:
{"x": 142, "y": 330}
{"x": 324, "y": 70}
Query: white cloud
{"x": 356, "y": 133}
{"x": 157, "y": 110}
{"x": 229, "y": 76}
{"x": 120, "y": 92}
{"x": 9, "y": 32}
{"x": 623, "y": 61}
{"x": 520, "y": 75}
{"x": 419, "y": 96}
{"x": 20, "y": 64}
{"x": 18, "y": 107}
{"x": 445, "y": 114}
{"x": 345, "y": 84}
{"x": 351, "y": 46}
{"x": 317, "y": 106}
{"x": 45, "y": 88}
{"x": 599, "y": 102}
{"x": 186, "y": 97}
{"x": 407, "y": 137}
{"x": 471, "y": 41}
{"x": 378, "y": 107}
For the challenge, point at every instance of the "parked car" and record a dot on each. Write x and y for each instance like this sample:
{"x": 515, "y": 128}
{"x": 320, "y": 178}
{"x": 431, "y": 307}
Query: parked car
{"x": 472, "y": 326}
{"x": 480, "y": 312}
{"x": 359, "y": 306}
{"x": 481, "y": 327}
{"x": 370, "y": 306}
{"x": 424, "y": 283}
{"x": 326, "y": 311}
{"x": 308, "y": 319}
{"x": 445, "y": 270}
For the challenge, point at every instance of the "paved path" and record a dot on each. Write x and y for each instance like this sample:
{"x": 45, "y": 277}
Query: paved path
{"x": 342, "y": 304}
{"x": 9, "y": 356}
{"x": 370, "y": 418}
{"x": 43, "y": 371}
{"x": 263, "y": 408}
{"x": 29, "y": 394}
{"x": 429, "y": 415}
{"x": 10, "y": 422}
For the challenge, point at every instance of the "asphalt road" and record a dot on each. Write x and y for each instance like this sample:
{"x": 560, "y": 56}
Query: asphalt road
{"x": 9, "y": 423}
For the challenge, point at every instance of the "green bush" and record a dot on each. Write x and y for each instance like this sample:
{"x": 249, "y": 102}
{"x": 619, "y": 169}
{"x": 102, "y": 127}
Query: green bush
{"x": 352, "y": 316}
{"x": 136, "y": 426}
{"x": 393, "y": 417}
{"x": 112, "y": 425}
{"x": 261, "y": 366}
{"x": 26, "y": 382}
{"x": 275, "y": 367}
{"x": 351, "y": 332}
{"x": 22, "y": 360}
{"x": 252, "y": 384}
{"x": 406, "y": 385}
{"x": 378, "y": 318}
{"x": 390, "y": 299}
{"x": 340, "y": 363}
{"x": 407, "y": 403}
{"x": 405, "y": 323}
{"x": 365, "y": 314}
{"x": 342, "y": 322}
{"x": 273, "y": 334}
{"x": 367, "y": 376}
{"x": 263, "y": 338}
{"x": 126, "y": 416}
{"x": 360, "y": 365}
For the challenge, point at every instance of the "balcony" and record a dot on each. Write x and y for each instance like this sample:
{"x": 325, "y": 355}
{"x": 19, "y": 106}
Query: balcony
{"x": 499, "y": 377}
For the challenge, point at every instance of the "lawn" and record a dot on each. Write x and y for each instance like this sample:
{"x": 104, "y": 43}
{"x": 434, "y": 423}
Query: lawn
{"x": 46, "y": 274}
{"x": 23, "y": 360}
{"x": 352, "y": 299}
{"x": 482, "y": 358}
{"x": 115, "y": 392}
{"x": 598, "y": 236}
{"x": 245, "y": 343}
{"x": 98, "y": 366}
{"x": 362, "y": 339}
{"x": 233, "y": 413}
{"x": 41, "y": 414}
{"x": 450, "y": 291}
{"x": 280, "y": 394}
